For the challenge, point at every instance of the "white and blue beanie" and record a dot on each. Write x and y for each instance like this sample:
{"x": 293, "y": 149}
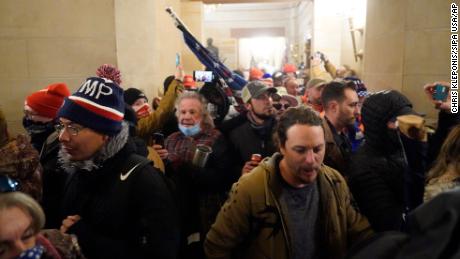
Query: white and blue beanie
{"x": 98, "y": 104}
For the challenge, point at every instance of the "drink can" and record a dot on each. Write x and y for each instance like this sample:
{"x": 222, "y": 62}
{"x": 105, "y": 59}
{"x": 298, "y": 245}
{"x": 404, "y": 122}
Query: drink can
{"x": 256, "y": 157}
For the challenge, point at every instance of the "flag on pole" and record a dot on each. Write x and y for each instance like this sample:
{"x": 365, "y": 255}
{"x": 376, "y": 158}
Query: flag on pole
{"x": 233, "y": 80}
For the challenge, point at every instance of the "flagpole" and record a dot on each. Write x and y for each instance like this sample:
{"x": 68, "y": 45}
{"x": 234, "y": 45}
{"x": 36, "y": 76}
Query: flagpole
{"x": 179, "y": 24}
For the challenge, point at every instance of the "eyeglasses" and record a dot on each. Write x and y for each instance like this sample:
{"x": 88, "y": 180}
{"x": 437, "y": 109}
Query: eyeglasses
{"x": 7, "y": 184}
{"x": 278, "y": 106}
{"x": 73, "y": 130}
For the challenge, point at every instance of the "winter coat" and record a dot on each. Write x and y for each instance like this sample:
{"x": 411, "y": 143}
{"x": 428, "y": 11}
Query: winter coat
{"x": 54, "y": 181}
{"x": 200, "y": 191}
{"x": 58, "y": 244}
{"x": 447, "y": 181}
{"x": 246, "y": 140}
{"x": 157, "y": 119}
{"x": 431, "y": 232}
{"x": 379, "y": 173}
{"x": 334, "y": 156}
{"x": 19, "y": 160}
{"x": 252, "y": 224}
{"x": 126, "y": 210}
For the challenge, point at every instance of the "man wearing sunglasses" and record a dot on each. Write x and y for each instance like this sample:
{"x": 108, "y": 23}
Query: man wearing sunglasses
{"x": 115, "y": 202}
{"x": 282, "y": 101}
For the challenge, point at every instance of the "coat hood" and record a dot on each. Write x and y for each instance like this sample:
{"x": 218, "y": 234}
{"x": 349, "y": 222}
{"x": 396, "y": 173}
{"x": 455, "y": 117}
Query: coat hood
{"x": 378, "y": 109}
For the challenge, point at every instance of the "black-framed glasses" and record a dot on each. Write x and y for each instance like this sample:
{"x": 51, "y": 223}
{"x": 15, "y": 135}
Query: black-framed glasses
{"x": 278, "y": 106}
{"x": 73, "y": 130}
{"x": 7, "y": 184}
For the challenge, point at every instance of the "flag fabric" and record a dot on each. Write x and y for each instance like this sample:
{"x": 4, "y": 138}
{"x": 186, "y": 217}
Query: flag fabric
{"x": 234, "y": 81}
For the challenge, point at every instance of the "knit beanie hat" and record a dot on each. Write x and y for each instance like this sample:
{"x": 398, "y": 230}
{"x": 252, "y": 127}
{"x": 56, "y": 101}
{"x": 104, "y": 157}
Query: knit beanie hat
{"x": 289, "y": 68}
{"x": 132, "y": 94}
{"x": 360, "y": 87}
{"x": 98, "y": 104}
{"x": 189, "y": 83}
{"x": 46, "y": 102}
{"x": 255, "y": 74}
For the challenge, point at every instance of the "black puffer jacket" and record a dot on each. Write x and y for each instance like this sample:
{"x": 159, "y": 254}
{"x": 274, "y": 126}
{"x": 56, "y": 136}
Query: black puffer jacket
{"x": 247, "y": 139}
{"x": 124, "y": 213}
{"x": 377, "y": 171}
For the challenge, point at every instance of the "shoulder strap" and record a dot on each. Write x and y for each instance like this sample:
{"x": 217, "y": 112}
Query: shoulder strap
{"x": 51, "y": 144}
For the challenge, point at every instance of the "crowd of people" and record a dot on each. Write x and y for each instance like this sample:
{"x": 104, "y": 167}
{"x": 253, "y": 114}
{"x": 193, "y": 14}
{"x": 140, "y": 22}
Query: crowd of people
{"x": 323, "y": 169}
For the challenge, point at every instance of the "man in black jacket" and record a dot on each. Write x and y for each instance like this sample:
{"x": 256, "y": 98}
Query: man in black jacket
{"x": 251, "y": 133}
{"x": 387, "y": 172}
{"x": 116, "y": 203}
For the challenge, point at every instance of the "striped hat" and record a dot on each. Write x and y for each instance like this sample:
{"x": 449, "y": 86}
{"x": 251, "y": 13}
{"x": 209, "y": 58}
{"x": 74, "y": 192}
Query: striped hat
{"x": 98, "y": 104}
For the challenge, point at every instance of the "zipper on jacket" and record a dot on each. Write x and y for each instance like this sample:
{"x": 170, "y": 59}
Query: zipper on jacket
{"x": 283, "y": 224}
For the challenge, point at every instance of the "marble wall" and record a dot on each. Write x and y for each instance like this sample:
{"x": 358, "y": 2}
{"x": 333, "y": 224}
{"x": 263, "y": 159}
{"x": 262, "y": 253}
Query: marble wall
{"x": 407, "y": 44}
{"x": 48, "y": 41}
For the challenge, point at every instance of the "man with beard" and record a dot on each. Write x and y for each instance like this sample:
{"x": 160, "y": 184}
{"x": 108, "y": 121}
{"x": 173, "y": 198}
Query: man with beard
{"x": 40, "y": 109}
{"x": 340, "y": 102}
{"x": 291, "y": 205}
{"x": 115, "y": 202}
{"x": 251, "y": 133}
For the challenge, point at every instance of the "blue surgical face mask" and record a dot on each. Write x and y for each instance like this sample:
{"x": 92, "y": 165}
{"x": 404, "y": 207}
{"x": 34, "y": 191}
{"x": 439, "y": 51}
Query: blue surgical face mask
{"x": 190, "y": 131}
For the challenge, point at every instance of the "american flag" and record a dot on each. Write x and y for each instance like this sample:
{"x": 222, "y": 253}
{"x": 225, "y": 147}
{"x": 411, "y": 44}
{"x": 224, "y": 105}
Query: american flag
{"x": 234, "y": 81}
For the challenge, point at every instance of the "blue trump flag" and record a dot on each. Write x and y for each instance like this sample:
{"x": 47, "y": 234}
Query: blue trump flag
{"x": 234, "y": 81}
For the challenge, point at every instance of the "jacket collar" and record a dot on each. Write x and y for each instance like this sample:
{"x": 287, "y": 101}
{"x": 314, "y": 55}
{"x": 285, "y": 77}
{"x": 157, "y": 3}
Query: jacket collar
{"x": 326, "y": 182}
{"x": 328, "y": 131}
{"x": 327, "y": 192}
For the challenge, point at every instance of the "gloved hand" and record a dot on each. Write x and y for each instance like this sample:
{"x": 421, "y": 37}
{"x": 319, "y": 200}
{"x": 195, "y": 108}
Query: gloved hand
{"x": 413, "y": 127}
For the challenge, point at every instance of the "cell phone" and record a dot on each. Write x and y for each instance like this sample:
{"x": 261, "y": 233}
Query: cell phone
{"x": 203, "y": 76}
{"x": 159, "y": 139}
{"x": 177, "y": 59}
{"x": 440, "y": 92}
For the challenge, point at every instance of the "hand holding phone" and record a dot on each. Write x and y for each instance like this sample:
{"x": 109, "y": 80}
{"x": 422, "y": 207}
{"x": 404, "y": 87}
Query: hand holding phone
{"x": 158, "y": 139}
{"x": 440, "y": 92}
